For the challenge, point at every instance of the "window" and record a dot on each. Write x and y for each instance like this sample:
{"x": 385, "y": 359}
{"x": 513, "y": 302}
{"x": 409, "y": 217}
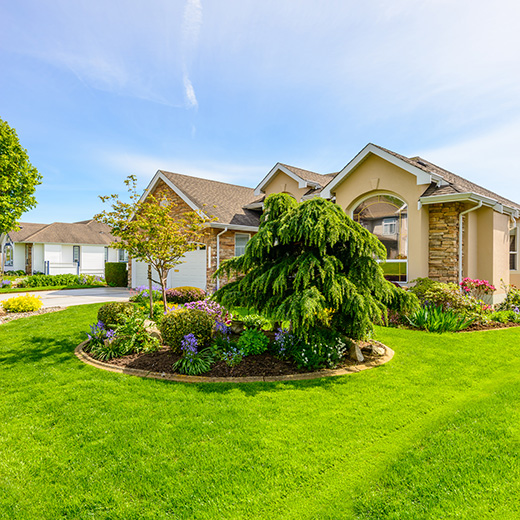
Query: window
{"x": 513, "y": 249}
{"x": 240, "y": 243}
{"x": 386, "y": 216}
{"x": 76, "y": 254}
{"x": 8, "y": 252}
{"x": 123, "y": 255}
{"x": 106, "y": 254}
{"x": 389, "y": 226}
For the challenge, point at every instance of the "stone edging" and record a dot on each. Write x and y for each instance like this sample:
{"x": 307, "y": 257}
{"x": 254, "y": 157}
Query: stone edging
{"x": 255, "y": 379}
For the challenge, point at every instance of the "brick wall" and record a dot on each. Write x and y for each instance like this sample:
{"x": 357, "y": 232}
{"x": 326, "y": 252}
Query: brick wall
{"x": 227, "y": 239}
{"x": 443, "y": 261}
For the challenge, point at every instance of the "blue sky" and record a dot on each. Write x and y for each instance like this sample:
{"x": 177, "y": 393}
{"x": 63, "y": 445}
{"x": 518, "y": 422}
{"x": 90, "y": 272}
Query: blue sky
{"x": 225, "y": 89}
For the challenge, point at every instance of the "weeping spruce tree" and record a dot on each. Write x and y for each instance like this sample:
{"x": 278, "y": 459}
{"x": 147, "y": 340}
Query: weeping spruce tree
{"x": 312, "y": 264}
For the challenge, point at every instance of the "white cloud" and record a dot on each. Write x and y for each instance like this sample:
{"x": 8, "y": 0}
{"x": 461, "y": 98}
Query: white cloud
{"x": 192, "y": 21}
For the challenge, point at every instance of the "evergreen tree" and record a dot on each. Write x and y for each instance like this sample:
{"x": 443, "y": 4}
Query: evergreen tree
{"x": 310, "y": 263}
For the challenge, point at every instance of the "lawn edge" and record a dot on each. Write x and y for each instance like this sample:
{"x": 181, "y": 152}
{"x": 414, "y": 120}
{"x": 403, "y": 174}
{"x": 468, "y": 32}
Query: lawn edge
{"x": 83, "y": 356}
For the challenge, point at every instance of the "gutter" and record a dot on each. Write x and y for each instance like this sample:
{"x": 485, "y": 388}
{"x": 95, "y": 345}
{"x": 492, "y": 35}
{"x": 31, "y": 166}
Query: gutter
{"x": 218, "y": 254}
{"x": 236, "y": 227}
{"x": 461, "y": 216}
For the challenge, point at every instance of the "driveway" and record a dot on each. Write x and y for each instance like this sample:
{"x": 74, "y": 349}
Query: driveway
{"x": 70, "y": 297}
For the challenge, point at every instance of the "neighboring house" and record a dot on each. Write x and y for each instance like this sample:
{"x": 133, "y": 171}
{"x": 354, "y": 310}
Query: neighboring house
{"x": 432, "y": 222}
{"x": 59, "y": 248}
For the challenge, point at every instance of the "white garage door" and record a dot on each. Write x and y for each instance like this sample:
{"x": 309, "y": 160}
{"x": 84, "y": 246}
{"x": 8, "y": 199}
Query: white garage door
{"x": 192, "y": 272}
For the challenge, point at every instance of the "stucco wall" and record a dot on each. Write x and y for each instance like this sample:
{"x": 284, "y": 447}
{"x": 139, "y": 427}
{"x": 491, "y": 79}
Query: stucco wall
{"x": 376, "y": 176}
{"x": 282, "y": 183}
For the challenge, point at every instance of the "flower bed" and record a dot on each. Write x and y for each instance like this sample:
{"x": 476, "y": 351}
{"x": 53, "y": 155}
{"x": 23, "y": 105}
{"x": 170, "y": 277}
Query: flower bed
{"x": 198, "y": 341}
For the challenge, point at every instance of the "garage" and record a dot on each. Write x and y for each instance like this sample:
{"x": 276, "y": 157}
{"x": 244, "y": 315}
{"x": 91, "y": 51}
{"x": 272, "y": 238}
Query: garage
{"x": 192, "y": 272}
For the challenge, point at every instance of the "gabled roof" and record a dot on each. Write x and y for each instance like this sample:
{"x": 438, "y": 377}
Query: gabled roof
{"x": 441, "y": 182}
{"x": 86, "y": 232}
{"x": 220, "y": 199}
{"x": 304, "y": 178}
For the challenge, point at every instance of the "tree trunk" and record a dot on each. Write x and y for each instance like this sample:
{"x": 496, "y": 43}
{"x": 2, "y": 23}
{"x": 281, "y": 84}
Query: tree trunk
{"x": 164, "y": 281}
{"x": 150, "y": 294}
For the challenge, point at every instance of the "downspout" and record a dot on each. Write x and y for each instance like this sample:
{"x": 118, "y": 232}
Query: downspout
{"x": 461, "y": 215}
{"x": 218, "y": 254}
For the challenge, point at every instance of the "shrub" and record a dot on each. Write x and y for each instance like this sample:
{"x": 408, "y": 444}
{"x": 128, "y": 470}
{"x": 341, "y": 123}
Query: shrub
{"x": 213, "y": 309}
{"x": 193, "y": 362}
{"x": 6, "y": 284}
{"x": 116, "y": 274}
{"x": 27, "y": 303}
{"x": 506, "y": 316}
{"x": 181, "y": 322}
{"x": 50, "y": 280}
{"x": 480, "y": 289}
{"x": 422, "y": 285}
{"x": 437, "y": 319}
{"x": 448, "y": 296}
{"x": 321, "y": 349}
{"x": 511, "y": 301}
{"x": 180, "y": 295}
{"x": 253, "y": 342}
{"x": 113, "y": 313}
{"x": 255, "y": 321}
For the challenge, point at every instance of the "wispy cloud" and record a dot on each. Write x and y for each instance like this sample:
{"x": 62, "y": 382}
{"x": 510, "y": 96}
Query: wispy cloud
{"x": 145, "y": 167}
{"x": 191, "y": 25}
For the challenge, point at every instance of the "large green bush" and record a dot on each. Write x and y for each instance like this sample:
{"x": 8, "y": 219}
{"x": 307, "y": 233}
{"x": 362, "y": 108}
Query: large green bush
{"x": 114, "y": 313}
{"x": 116, "y": 274}
{"x": 253, "y": 342}
{"x": 181, "y": 322}
{"x": 310, "y": 263}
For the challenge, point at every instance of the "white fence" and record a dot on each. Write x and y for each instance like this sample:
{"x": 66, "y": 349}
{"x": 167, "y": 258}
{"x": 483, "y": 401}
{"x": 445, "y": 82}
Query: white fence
{"x": 70, "y": 268}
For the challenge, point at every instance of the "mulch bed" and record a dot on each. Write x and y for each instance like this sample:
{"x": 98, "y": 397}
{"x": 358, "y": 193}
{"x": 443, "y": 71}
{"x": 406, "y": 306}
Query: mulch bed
{"x": 6, "y": 317}
{"x": 490, "y": 326}
{"x": 259, "y": 365}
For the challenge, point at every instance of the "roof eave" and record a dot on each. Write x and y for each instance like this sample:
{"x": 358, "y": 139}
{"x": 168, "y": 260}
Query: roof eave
{"x": 302, "y": 183}
{"x": 470, "y": 197}
{"x": 233, "y": 227}
{"x": 422, "y": 176}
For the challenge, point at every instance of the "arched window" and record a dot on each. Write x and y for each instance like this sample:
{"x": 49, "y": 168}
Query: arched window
{"x": 386, "y": 217}
{"x": 8, "y": 252}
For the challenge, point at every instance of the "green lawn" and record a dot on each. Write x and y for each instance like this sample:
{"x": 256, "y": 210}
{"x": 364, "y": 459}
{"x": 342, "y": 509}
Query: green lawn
{"x": 433, "y": 434}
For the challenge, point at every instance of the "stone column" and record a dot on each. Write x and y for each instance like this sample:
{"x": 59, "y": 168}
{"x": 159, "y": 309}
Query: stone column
{"x": 443, "y": 260}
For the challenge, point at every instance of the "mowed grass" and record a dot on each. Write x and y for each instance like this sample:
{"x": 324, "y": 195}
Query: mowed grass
{"x": 433, "y": 434}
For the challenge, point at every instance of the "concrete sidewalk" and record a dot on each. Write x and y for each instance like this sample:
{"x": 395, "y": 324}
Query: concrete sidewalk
{"x": 70, "y": 297}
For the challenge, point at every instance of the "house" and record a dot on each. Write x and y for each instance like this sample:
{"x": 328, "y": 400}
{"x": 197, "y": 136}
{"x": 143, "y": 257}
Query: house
{"x": 432, "y": 222}
{"x": 59, "y": 248}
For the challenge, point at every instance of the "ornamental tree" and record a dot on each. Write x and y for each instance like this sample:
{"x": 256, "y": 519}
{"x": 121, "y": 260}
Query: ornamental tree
{"x": 148, "y": 231}
{"x": 18, "y": 181}
{"x": 312, "y": 264}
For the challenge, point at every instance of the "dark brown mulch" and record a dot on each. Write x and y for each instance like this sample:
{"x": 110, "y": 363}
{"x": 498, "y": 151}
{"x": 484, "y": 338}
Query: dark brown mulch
{"x": 260, "y": 365}
{"x": 492, "y": 325}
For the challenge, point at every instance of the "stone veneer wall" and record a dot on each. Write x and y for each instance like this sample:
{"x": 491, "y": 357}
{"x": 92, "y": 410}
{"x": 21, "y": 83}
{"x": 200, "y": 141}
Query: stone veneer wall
{"x": 443, "y": 260}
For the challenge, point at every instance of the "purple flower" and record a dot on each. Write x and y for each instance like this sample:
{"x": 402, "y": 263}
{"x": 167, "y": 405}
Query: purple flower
{"x": 222, "y": 327}
{"x": 189, "y": 345}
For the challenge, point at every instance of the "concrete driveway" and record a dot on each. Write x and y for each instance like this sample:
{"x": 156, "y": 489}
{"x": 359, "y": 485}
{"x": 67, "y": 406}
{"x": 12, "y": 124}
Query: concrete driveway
{"x": 70, "y": 297}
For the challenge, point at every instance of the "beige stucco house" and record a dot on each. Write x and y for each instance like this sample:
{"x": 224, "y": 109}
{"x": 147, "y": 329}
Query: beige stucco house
{"x": 432, "y": 222}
